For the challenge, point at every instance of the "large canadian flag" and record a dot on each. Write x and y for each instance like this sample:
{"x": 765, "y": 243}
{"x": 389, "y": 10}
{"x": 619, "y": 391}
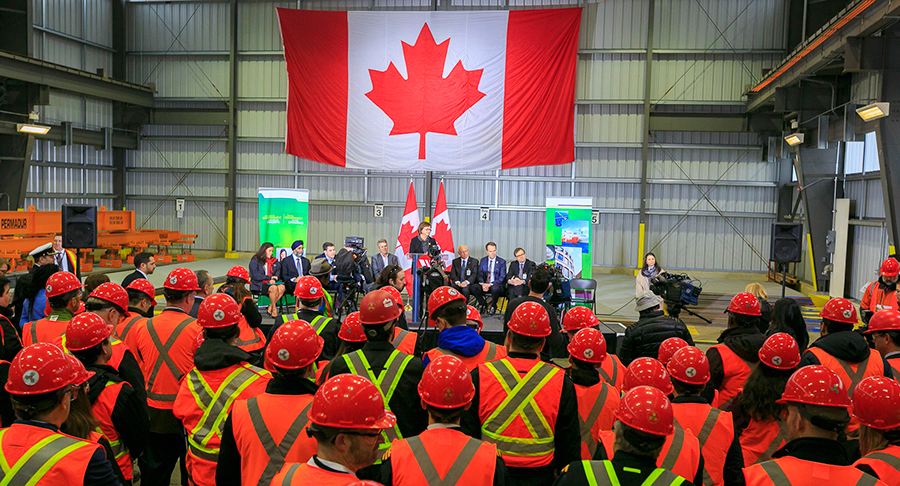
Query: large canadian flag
{"x": 442, "y": 233}
{"x": 409, "y": 225}
{"x": 445, "y": 91}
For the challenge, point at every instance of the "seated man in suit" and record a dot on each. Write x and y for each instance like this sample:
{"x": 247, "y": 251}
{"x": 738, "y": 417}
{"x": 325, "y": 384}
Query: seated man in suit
{"x": 383, "y": 258}
{"x": 144, "y": 265}
{"x": 491, "y": 275}
{"x": 294, "y": 266}
{"x": 464, "y": 272}
{"x": 328, "y": 253}
{"x": 517, "y": 277}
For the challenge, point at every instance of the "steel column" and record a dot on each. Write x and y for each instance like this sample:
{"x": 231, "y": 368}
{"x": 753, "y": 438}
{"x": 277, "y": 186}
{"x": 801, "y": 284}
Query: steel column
{"x": 645, "y": 142}
{"x": 231, "y": 177}
{"x": 887, "y": 136}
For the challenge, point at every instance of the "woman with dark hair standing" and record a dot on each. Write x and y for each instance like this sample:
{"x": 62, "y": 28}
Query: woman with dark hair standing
{"x": 424, "y": 242}
{"x": 264, "y": 271}
{"x": 787, "y": 317}
{"x": 649, "y": 270}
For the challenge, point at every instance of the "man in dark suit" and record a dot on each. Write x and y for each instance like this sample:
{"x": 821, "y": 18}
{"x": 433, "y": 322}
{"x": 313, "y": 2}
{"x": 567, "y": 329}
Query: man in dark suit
{"x": 144, "y": 265}
{"x": 293, "y": 267}
{"x": 383, "y": 258}
{"x": 42, "y": 255}
{"x": 328, "y": 253}
{"x": 491, "y": 275}
{"x": 464, "y": 272}
{"x": 517, "y": 277}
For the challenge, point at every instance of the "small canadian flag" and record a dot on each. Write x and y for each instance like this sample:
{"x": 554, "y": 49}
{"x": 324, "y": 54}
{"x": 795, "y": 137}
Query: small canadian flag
{"x": 441, "y": 231}
{"x": 408, "y": 230}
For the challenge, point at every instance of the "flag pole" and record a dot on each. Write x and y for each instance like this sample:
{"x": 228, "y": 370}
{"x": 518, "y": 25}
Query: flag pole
{"x": 429, "y": 178}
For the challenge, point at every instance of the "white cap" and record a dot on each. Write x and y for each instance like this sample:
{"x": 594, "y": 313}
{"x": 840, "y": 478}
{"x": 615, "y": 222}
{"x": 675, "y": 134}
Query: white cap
{"x": 45, "y": 249}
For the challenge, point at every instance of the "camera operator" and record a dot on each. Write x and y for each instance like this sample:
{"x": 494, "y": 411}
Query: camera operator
{"x": 642, "y": 339}
{"x": 424, "y": 242}
{"x": 538, "y": 285}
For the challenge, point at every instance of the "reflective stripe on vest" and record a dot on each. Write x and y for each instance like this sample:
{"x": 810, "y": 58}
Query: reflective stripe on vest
{"x": 456, "y": 469}
{"x": 129, "y": 325}
{"x": 519, "y": 402}
{"x": 587, "y": 424}
{"x": 289, "y": 476}
{"x": 854, "y": 376}
{"x": 615, "y": 373}
{"x": 118, "y": 449}
{"x": 602, "y": 473}
{"x": 37, "y": 460}
{"x": 674, "y": 450}
{"x": 889, "y": 459}
{"x": 780, "y": 437}
{"x": 491, "y": 352}
{"x": 215, "y": 409}
{"x": 277, "y": 451}
{"x": 399, "y": 338}
{"x": 164, "y": 358}
{"x": 318, "y": 323}
{"x": 34, "y": 337}
{"x": 708, "y": 424}
{"x": 386, "y": 381}
{"x": 777, "y": 475}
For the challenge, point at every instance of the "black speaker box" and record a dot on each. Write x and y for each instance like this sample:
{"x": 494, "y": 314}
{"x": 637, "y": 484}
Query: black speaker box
{"x": 79, "y": 226}
{"x": 786, "y": 242}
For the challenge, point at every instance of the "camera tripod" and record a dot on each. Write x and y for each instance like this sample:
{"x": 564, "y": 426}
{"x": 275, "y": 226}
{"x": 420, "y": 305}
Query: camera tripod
{"x": 348, "y": 303}
{"x": 675, "y": 308}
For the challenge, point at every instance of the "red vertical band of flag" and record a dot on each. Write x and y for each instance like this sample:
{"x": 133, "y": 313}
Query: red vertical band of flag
{"x": 317, "y": 126}
{"x": 409, "y": 226}
{"x": 541, "y": 56}
{"x": 442, "y": 232}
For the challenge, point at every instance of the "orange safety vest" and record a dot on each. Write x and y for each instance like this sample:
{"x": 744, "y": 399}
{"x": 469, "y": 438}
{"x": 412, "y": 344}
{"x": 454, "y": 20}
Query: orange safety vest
{"x": 760, "y": 440}
{"x": 269, "y": 430}
{"x": 885, "y": 463}
{"x": 204, "y": 401}
{"x": 680, "y": 453}
{"x": 790, "y": 471}
{"x": 736, "y": 373}
{"x": 306, "y": 475}
{"x": 851, "y": 373}
{"x": 530, "y": 383}
{"x": 612, "y": 371}
{"x": 249, "y": 339}
{"x": 165, "y": 344}
{"x": 40, "y": 457}
{"x": 714, "y": 430}
{"x": 489, "y": 352}
{"x": 443, "y": 457}
{"x": 124, "y": 327}
{"x": 404, "y": 341}
{"x": 894, "y": 363}
{"x": 102, "y": 409}
{"x": 44, "y": 330}
{"x": 596, "y": 412}
{"x": 875, "y": 296}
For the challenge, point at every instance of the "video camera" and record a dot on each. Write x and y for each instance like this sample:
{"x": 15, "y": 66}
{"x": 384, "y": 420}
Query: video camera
{"x": 561, "y": 293}
{"x": 676, "y": 290}
{"x": 350, "y": 265}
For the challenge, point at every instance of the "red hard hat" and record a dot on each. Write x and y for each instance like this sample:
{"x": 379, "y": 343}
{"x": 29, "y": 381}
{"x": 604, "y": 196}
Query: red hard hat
{"x": 839, "y": 310}
{"x": 181, "y": 279}
{"x": 218, "y": 310}
{"x": 579, "y": 318}
{"x": 350, "y": 402}
{"x": 352, "y": 330}
{"x": 780, "y": 351}
{"x": 876, "y": 402}
{"x": 294, "y": 345}
{"x": 80, "y": 375}
{"x": 39, "y": 368}
{"x": 472, "y": 314}
{"x": 745, "y": 303}
{"x": 197, "y": 342}
{"x": 689, "y": 365}
{"x": 113, "y": 293}
{"x": 647, "y": 372}
{"x": 144, "y": 285}
{"x": 668, "y": 348}
{"x": 395, "y": 294}
{"x": 884, "y": 320}
{"x": 530, "y": 319}
{"x": 815, "y": 385}
{"x": 60, "y": 283}
{"x": 446, "y": 383}
{"x": 442, "y": 296}
{"x": 309, "y": 288}
{"x": 588, "y": 345}
{"x": 239, "y": 272}
{"x": 646, "y": 409}
{"x": 890, "y": 268}
{"x": 85, "y": 331}
{"x": 378, "y": 307}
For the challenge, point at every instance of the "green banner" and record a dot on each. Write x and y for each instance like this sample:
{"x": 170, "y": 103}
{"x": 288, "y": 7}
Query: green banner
{"x": 283, "y": 217}
{"x": 569, "y": 235}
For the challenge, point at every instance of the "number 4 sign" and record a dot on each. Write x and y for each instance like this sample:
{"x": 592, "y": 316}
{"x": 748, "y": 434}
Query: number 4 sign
{"x": 485, "y": 214}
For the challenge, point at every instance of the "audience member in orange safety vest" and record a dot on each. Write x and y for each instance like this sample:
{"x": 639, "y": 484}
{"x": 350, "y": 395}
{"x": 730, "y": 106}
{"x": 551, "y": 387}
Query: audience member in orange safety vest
{"x": 817, "y": 404}
{"x": 448, "y": 312}
{"x": 520, "y": 386}
{"x": 756, "y": 415}
{"x": 882, "y": 293}
{"x": 719, "y": 444}
{"x": 141, "y": 302}
{"x": 403, "y": 340}
{"x": 264, "y": 432}
{"x": 884, "y": 327}
{"x": 63, "y": 291}
{"x": 732, "y": 360}
{"x": 611, "y": 370}
{"x": 251, "y": 339}
{"x": 875, "y": 405}
{"x": 119, "y": 409}
{"x": 443, "y": 454}
{"x": 221, "y": 375}
{"x": 844, "y": 351}
{"x": 347, "y": 416}
{"x": 597, "y": 399}
{"x": 164, "y": 347}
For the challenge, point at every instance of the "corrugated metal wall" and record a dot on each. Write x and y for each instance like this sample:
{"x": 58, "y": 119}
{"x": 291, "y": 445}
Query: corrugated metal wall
{"x": 183, "y": 48}
{"x": 78, "y": 34}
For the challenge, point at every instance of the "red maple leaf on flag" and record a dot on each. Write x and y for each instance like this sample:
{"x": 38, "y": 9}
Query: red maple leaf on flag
{"x": 442, "y": 234}
{"x": 405, "y": 236}
{"x": 425, "y": 101}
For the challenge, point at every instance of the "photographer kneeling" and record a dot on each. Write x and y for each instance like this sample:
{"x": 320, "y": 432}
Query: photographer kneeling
{"x": 642, "y": 339}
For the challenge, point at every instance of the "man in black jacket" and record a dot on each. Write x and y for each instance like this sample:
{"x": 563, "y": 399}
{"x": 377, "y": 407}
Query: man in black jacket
{"x": 538, "y": 285}
{"x": 642, "y": 339}
{"x": 144, "y": 265}
{"x": 464, "y": 272}
{"x": 520, "y": 271}
{"x": 290, "y": 271}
